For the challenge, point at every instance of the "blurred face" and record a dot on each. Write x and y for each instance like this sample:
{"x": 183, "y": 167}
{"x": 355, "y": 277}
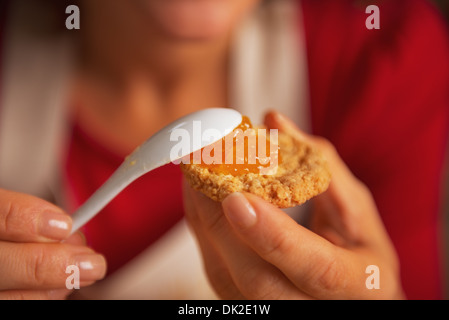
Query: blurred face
{"x": 195, "y": 19}
{"x": 175, "y": 19}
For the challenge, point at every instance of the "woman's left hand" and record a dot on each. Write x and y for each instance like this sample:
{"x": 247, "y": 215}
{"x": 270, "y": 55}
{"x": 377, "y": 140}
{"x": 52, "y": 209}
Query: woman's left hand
{"x": 253, "y": 250}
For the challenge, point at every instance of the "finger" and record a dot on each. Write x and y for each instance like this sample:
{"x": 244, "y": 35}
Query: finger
{"x": 275, "y": 120}
{"x": 45, "y": 266}
{"x": 254, "y": 277}
{"x": 216, "y": 270}
{"x": 60, "y": 294}
{"x": 77, "y": 239}
{"x": 312, "y": 263}
{"x": 348, "y": 203}
{"x": 326, "y": 225}
{"x": 24, "y": 218}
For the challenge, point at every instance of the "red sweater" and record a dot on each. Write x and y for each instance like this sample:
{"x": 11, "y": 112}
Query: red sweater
{"x": 381, "y": 96}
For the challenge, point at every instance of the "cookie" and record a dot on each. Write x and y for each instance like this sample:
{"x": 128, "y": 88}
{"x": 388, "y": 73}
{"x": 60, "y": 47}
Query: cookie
{"x": 301, "y": 174}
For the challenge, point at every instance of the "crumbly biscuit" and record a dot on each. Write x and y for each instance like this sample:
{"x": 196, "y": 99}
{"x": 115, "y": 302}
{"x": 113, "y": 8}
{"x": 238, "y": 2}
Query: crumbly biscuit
{"x": 302, "y": 174}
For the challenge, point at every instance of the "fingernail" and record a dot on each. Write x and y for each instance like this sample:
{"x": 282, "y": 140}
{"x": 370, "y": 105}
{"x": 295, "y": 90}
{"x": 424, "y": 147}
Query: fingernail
{"x": 239, "y": 211}
{"x": 279, "y": 117}
{"x": 92, "y": 266}
{"x": 78, "y": 238}
{"x": 55, "y": 225}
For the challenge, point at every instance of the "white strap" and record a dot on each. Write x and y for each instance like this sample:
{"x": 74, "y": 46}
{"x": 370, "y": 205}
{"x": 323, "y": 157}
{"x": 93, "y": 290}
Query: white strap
{"x": 33, "y": 91}
{"x": 269, "y": 64}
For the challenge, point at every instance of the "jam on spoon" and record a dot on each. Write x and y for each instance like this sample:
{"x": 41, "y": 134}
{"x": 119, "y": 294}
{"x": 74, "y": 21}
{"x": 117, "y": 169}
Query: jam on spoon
{"x": 240, "y": 152}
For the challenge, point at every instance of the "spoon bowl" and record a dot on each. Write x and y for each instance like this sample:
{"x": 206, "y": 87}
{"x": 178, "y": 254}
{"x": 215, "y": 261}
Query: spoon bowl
{"x": 173, "y": 142}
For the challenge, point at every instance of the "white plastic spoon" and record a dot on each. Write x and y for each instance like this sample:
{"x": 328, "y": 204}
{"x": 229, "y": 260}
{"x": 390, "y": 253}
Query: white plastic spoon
{"x": 158, "y": 151}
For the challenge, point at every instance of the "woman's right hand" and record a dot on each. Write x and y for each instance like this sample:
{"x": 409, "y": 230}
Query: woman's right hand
{"x": 36, "y": 248}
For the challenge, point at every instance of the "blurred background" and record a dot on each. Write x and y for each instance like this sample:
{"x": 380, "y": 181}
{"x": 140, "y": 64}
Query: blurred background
{"x": 444, "y": 5}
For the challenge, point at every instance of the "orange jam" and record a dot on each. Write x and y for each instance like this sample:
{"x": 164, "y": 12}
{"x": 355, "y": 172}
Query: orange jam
{"x": 245, "y": 156}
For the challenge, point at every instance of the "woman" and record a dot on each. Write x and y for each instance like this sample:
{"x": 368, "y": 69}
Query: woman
{"x": 380, "y": 97}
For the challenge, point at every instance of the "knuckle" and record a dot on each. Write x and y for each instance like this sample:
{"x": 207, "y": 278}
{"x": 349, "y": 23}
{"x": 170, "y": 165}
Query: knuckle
{"x": 324, "y": 144}
{"x": 18, "y": 218}
{"x": 278, "y": 246}
{"x": 223, "y": 287}
{"x": 327, "y": 148}
{"x": 363, "y": 198}
{"x": 215, "y": 275}
{"x": 367, "y": 194}
{"x": 8, "y": 216}
{"x": 45, "y": 264}
{"x": 329, "y": 276}
{"x": 216, "y": 224}
{"x": 36, "y": 267}
{"x": 258, "y": 286}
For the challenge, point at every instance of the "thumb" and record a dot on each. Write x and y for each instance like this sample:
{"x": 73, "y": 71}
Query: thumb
{"x": 312, "y": 263}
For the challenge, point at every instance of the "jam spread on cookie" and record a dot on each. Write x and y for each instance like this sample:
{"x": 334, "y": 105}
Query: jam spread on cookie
{"x": 244, "y": 150}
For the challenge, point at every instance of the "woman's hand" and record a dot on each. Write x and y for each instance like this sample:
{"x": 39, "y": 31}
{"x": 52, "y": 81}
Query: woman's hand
{"x": 35, "y": 250}
{"x": 253, "y": 250}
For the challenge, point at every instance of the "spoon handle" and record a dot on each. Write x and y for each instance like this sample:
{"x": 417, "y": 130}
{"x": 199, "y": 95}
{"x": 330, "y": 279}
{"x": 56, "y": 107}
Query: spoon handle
{"x": 119, "y": 180}
{"x": 170, "y": 143}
